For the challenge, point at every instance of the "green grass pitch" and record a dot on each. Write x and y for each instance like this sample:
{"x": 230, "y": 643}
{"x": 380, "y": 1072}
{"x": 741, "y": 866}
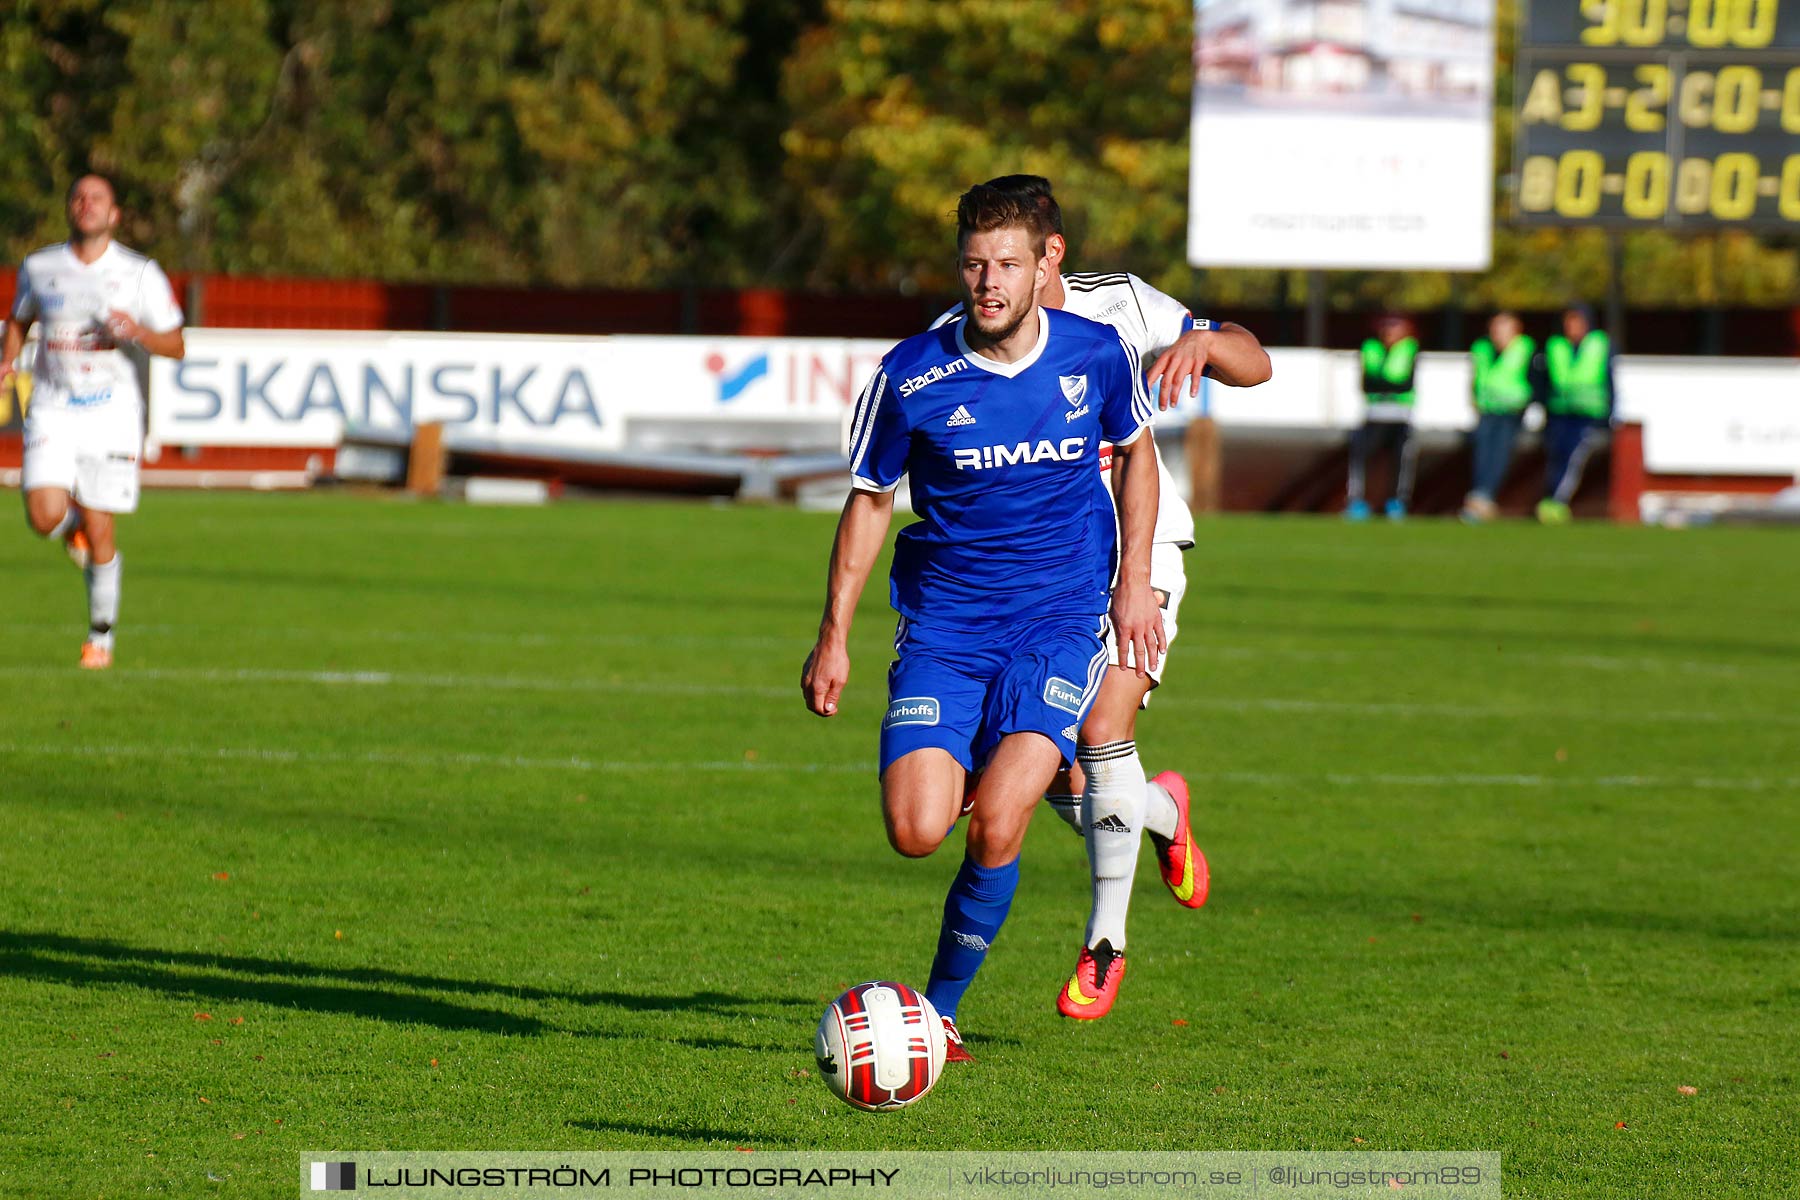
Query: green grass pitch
{"x": 409, "y": 826}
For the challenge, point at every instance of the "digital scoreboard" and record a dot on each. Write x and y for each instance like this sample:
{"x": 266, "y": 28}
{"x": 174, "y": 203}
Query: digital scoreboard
{"x": 1681, "y": 114}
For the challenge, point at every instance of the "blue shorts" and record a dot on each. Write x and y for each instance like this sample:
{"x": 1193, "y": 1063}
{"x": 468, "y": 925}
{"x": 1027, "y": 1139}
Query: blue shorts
{"x": 963, "y": 690}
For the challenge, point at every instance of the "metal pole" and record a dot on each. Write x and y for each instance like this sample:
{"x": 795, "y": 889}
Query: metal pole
{"x": 1315, "y": 308}
{"x": 1615, "y": 289}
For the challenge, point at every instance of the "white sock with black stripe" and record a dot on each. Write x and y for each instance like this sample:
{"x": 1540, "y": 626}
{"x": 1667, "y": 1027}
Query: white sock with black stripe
{"x": 1066, "y": 805}
{"x": 1113, "y": 816}
{"x": 1159, "y": 811}
{"x": 103, "y": 601}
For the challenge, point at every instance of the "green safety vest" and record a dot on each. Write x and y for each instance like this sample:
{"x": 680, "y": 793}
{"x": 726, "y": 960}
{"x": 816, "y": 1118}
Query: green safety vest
{"x": 1503, "y": 380}
{"x": 1388, "y": 371}
{"x": 1578, "y": 386}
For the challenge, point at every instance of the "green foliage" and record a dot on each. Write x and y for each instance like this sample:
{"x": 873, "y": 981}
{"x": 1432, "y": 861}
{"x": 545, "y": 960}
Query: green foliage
{"x": 901, "y": 105}
{"x": 640, "y": 143}
{"x": 543, "y": 140}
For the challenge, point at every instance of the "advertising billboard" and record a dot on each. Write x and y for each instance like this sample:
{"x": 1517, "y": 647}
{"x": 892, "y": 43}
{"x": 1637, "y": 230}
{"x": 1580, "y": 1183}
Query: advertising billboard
{"x": 1342, "y": 134}
{"x": 304, "y": 388}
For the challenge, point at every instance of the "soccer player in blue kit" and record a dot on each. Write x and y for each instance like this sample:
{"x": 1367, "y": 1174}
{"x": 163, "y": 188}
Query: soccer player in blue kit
{"x": 1005, "y": 584}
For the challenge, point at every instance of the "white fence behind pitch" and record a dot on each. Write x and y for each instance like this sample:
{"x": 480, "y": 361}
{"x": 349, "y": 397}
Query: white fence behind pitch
{"x": 303, "y": 388}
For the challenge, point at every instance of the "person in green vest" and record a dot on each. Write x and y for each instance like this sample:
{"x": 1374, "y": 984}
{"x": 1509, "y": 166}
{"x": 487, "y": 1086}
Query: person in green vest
{"x": 1501, "y": 384}
{"x": 1578, "y": 364}
{"x": 1388, "y": 362}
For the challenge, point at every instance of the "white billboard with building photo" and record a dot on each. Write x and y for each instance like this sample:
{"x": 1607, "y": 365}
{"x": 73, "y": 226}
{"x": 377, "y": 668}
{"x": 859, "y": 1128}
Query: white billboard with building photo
{"x": 1342, "y": 133}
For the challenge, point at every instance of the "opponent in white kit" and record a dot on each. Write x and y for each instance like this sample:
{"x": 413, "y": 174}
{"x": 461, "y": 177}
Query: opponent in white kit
{"x": 1106, "y": 796}
{"x": 84, "y": 430}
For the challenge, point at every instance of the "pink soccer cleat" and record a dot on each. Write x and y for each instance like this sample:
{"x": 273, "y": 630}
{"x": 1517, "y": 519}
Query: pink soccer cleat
{"x": 1183, "y": 866}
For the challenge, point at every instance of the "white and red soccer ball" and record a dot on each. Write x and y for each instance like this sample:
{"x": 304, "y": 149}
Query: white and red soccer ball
{"x": 880, "y": 1046}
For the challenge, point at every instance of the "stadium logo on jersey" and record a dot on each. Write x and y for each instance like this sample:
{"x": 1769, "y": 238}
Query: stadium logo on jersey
{"x": 940, "y": 371}
{"x": 1074, "y": 389}
{"x": 911, "y": 710}
{"x": 736, "y": 383}
{"x": 960, "y": 417}
{"x": 980, "y": 458}
{"x": 1060, "y": 693}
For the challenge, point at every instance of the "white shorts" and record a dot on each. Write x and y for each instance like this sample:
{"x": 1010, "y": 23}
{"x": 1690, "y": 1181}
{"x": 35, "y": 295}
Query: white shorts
{"x": 90, "y": 453}
{"x": 1168, "y": 577}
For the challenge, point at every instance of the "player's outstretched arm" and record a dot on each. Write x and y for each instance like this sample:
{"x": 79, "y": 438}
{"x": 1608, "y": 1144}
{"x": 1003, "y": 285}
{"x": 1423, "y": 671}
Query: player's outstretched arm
{"x": 168, "y": 344}
{"x": 1227, "y": 351}
{"x": 1137, "y": 620}
{"x": 861, "y": 531}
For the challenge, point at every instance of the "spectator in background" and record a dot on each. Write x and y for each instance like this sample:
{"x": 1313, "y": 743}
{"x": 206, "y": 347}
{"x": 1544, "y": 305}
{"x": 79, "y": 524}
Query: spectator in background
{"x": 1501, "y": 385}
{"x": 1579, "y": 365}
{"x": 1388, "y": 361}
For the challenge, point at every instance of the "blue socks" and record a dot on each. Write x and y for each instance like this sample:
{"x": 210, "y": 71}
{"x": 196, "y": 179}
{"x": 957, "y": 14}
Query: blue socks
{"x": 973, "y": 913}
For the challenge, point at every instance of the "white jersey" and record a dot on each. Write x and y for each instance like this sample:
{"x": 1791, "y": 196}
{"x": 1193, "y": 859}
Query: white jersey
{"x": 78, "y": 363}
{"x": 1150, "y": 321}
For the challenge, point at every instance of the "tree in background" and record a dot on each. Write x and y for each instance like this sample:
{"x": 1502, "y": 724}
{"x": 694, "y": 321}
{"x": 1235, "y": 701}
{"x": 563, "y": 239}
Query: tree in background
{"x": 654, "y": 143}
{"x": 534, "y": 140}
{"x": 901, "y": 104}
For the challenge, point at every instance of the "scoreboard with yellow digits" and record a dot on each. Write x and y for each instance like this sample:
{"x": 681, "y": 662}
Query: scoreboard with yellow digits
{"x": 1658, "y": 113}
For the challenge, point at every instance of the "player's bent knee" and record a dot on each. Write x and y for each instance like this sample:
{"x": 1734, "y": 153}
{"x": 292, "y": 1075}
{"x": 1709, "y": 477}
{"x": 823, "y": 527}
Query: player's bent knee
{"x": 1109, "y": 724}
{"x": 44, "y": 515}
{"x": 994, "y": 844}
{"x": 921, "y": 793}
{"x": 915, "y": 839}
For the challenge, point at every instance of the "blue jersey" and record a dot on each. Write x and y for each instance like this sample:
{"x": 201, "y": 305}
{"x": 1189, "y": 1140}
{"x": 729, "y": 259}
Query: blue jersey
{"x": 1004, "y": 461}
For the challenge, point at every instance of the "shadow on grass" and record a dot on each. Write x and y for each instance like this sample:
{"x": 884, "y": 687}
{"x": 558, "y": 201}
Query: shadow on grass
{"x": 372, "y": 992}
{"x": 685, "y": 1133}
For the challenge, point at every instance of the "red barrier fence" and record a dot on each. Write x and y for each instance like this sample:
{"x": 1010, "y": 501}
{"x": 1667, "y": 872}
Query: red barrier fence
{"x": 229, "y": 301}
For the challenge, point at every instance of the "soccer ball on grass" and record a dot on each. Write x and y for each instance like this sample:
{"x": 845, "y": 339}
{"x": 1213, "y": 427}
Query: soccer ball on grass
{"x": 880, "y": 1046}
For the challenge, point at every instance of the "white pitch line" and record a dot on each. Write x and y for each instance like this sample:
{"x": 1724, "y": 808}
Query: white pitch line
{"x": 576, "y": 763}
{"x": 468, "y": 637}
{"x": 401, "y": 758}
{"x": 798, "y": 644}
{"x": 628, "y": 687}
{"x": 1386, "y": 779}
{"x": 1469, "y": 711}
{"x": 1501, "y": 658}
{"x": 452, "y": 682}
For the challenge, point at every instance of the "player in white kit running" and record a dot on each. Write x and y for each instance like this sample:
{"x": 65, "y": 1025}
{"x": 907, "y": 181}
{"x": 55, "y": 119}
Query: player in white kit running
{"x": 1106, "y": 797}
{"x": 84, "y": 429}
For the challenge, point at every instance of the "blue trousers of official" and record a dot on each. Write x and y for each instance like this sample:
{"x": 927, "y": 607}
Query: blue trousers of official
{"x": 1568, "y": 444}
{"x": 1495, "y": 436}
{"x": 1396, "y": 438}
